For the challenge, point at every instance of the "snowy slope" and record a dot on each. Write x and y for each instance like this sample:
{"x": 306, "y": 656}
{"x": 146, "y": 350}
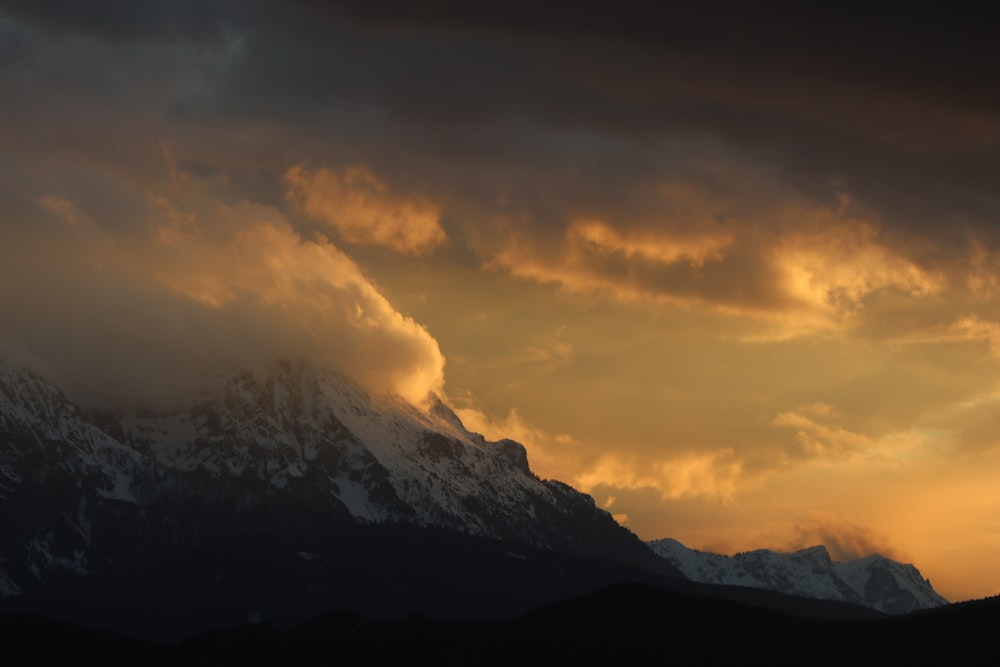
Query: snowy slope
{"x": 40, "y": 426}
{"x": 380, "y": 457}
{"x": 56, "y": 469}
{"x": 874, "y": 581}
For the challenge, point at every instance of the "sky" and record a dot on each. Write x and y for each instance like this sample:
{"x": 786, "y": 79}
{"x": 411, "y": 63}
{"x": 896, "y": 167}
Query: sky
{"x": 732, "y": 268}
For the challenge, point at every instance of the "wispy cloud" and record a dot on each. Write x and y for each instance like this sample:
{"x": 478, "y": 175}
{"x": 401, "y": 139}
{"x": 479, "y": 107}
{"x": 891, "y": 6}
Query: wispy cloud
{"x": 364, "y": 210}
{"x": 843, "y": 538}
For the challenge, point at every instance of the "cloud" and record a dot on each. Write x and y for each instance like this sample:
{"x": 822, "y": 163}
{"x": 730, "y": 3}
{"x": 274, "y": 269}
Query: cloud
{"x": 546, "y": 353}
{"x": 63, "y": 209}
{"x": 822, "y": 440}
{"x": 836, "y": 264}
{"x": 983, "y": 278}
{"x": 364, "y": 210}
{"x": 652, "y": 266}
{"x": 974, "y": 328}
{"x": 139, "y": 19}
{"x": 968, "y": 328}
{"x": 844, "y": 539}
{"x": 716, "y": 475}
{"x": 153, "y": 315}
{"x": 655, "y": 245}
{"x": 796, "y": 265}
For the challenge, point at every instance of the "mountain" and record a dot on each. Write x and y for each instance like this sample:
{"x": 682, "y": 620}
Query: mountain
{"x": 289, "y": 453}
{"x": 873, "y": 581}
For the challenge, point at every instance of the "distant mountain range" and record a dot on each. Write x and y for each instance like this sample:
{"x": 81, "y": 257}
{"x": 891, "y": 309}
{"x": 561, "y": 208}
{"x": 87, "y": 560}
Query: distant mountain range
{"x": 873, "y": 581}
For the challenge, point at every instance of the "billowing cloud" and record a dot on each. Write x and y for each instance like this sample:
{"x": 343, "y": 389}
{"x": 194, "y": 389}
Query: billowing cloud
{"x": 833, "y": 266}
{"x": 364, "y": 210}
{"x": 153, "y": 315}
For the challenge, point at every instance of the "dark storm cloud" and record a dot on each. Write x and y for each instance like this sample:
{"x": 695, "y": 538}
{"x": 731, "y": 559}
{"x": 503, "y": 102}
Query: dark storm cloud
{"x": 755, "y": 49}
{"x": 881, "y": 103}
{"x": 127, "y": 20}
{"x": 755, "y": 56}
{"x": 539, "y": 117}
{"x": 542, "y": 118}
{"x": 891, "y": 106}
{"x": 920, "y": 48}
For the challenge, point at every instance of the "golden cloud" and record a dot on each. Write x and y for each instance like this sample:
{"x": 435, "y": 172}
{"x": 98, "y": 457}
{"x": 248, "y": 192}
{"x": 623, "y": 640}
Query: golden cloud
{"x": 547, "y": 352}
{"x": 593, "y": 258}
{"x": 649, "y": 244}
{"x": 364, "y": 210}
{"x": 716, "y": 475}
{"x": 152, "y": 315}
{"x": 551, "y": 456}
{"x": 983, "y": 278}
{"x": 805, "y": 268}
{"x": 316, "y": 289}
{"x": 831, "y": 268}
{"x": 969, "y": 328}
{"x": 822, "y": 440}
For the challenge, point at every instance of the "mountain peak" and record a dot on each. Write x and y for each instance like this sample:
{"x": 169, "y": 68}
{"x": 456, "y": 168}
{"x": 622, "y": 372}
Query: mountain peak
{"x": 818, "y": 556}
{"x": 816, "y": 549}
{"x": 287, "y": 440}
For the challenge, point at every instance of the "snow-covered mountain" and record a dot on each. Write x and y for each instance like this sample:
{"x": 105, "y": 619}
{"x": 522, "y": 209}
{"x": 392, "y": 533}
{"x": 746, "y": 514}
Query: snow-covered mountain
{"x": 873, "y": 581}
{"x": 267, "y": 451}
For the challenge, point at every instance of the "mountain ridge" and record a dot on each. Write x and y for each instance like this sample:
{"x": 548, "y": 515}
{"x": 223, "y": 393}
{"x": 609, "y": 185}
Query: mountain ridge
{"x": 83, "y": 492}
{"x": 874, "y": 580}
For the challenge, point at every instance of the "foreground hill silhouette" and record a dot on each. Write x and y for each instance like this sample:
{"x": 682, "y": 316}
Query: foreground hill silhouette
{"x": 623, "y": 621}
{"x": 380, "y": 571}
